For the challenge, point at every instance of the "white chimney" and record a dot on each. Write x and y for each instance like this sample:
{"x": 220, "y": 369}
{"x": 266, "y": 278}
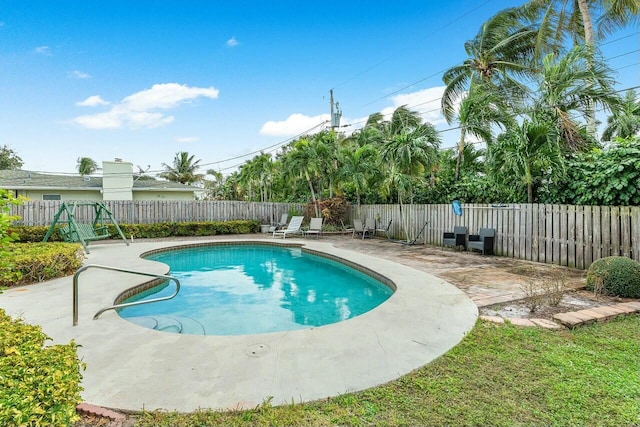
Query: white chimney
{"x": 117, "y": 180}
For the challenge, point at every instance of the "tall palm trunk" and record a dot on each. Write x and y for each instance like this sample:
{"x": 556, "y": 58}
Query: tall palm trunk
{"x": 403, "y": 219}
{"x": 460, "y": 151}
{"x": 313, "y": 195}
{"x": 588, "y": 41}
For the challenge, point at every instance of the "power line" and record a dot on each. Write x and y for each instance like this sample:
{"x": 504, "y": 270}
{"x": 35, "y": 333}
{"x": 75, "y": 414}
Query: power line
{"x": 624, "y": 54}
{"x": 437, "y": 31}
{"x": 276, "y": 145}
{"x": 618, "y": 39}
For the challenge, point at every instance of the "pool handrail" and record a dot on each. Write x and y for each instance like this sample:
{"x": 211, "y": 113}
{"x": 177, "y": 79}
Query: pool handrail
{"x": 126, "y": 304}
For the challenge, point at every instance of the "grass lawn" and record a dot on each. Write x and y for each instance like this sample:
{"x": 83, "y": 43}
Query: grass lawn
{"x": 499, "y": 375}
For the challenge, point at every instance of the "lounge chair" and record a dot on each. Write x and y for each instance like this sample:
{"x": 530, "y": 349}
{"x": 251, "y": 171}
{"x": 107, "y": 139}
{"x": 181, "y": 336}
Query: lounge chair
{"x": 359, "y": 228}
{"x": 482, "y": 242}
{"x": 457, "y": 238}
{"x": 315, "y": 227}
{"x": 292, "y": 228}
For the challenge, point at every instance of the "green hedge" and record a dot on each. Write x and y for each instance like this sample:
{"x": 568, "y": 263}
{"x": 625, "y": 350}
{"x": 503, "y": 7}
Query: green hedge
{"x": 39, "y": 386}
{"x": 21, "y": 264}
{"x": 615, "y": 276}
{"x": 164, "y": 229}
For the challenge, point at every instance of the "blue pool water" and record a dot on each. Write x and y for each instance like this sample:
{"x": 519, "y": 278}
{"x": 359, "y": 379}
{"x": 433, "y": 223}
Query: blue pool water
{"x": 253, "y": 289}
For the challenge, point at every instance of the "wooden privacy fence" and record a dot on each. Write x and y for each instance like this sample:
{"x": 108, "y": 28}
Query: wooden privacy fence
{"x": 145, "y": 212}
{"x": 567, "y": 235}
{"x": 572, "y": 236}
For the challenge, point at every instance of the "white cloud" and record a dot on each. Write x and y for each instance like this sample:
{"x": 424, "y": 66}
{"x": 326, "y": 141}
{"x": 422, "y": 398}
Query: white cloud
{"x": 92, "y": 101}
{"x": 166, "y": 96}
{"x": 43, "y": 50}
{"x": 294, "y": 124}
{"x": 232, "y": 42}
{"x": 426, "y": 102}
{"x": 79, "y": 75}
{"x": 139, "y": 110}
{"x": 187, "y": 139}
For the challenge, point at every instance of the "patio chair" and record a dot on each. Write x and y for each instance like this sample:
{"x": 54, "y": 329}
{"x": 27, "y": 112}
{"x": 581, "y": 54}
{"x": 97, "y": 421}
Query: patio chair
{"x": 315, "y": 227}
{"x": 346, "y": 228}
{"x": 384, "y": 230}
{"x": 482, "y": 242}
{"x": 370, "y": 225}
{"x": 283, "y": 221}
{"x": 457, "y": 238}
{"x": 292, "y": 228}
{"x": 359, "y": 228}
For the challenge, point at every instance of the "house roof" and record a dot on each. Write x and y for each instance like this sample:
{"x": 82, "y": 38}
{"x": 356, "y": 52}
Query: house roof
{"x": 26, "y": 180}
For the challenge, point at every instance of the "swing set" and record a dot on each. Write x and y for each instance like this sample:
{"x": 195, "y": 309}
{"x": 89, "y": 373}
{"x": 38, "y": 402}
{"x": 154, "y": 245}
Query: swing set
{"x": 74, "y": 232}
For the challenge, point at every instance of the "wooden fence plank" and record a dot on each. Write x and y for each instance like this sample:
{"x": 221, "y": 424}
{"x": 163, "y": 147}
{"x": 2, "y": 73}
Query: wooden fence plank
{"x": 580, "y": 237}
{"x": 571, "y": 237}
{"x": 548, "y": 235}
{"x": 588, "y": 236}
{"x": 596, "y": 232}
{"x": 615, "y": 231}
{"x": 625, "y": 231}
{"x": 635, "y": 232}
{"x": 555, "y": 239}
{"x": 563, "y": 237}
{"x": 542, "y": 233}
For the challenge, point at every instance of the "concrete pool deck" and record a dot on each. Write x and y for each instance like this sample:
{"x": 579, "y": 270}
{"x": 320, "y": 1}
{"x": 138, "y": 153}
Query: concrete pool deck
{"x": 132, "y": 368}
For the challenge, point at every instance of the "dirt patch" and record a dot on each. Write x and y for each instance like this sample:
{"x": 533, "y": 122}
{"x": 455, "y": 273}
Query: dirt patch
{"x": 573, "y": 300}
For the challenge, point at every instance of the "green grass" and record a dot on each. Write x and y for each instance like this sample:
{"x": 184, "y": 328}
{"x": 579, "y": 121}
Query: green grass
{"x": 499, "y": 375}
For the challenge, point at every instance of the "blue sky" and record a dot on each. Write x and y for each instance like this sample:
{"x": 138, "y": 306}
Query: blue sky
{"x": 143, "y": 80}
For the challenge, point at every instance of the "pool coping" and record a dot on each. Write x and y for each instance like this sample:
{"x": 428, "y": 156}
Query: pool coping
{"x": 131, "y": 368}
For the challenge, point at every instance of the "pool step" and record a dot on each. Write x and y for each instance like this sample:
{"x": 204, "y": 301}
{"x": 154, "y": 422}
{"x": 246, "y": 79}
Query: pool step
{"x": 174, "y": 324}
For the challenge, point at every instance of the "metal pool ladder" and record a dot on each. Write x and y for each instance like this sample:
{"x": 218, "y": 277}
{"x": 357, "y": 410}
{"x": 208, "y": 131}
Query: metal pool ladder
{"x": 126, "y": 304}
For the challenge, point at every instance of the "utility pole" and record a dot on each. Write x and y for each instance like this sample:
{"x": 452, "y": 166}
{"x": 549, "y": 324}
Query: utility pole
{"x": 336, "y": 113}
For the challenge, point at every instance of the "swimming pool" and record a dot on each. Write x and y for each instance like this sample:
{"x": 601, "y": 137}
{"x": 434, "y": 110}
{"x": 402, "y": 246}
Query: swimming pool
{"x": 253, "y": 289}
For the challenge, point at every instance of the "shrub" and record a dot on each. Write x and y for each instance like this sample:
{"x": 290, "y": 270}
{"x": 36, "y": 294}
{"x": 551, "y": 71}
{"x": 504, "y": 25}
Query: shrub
{"x": 615, "y": 276}
{"x": 7, "y": 199}
{"x": 161, "y": 229}
{"x": 34, "y": 233}
{"x": 39, "y": 386}
{"x": 332, "y": 210}
{"x": 21, "y": 264}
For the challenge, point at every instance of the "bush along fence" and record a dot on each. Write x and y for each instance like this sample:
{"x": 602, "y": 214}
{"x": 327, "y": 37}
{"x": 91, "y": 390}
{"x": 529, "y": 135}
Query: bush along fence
{"x": 567, "y": 235}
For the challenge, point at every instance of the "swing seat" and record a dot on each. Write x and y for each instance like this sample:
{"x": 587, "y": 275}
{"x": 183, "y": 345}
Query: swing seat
{"x": 83, "y": 232}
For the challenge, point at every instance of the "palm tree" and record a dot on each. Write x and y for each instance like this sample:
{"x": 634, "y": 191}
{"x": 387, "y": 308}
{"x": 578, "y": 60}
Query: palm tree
{"x": 559, "y": 18}
{"x": 303, "y": 162}
{"x": 257, "y": 172}
{"x": 625, "y": 120}
{"x": 214, "y": 187}
{"x": 356, "y": 166}
{"x": 489, "y": 83}
{"x": 481, "y": 109}
{"x": 498, "y": 56}
{"x": 617, "y": 14}
{"x": 574, "y": 18}
{"x": 183, "y": 169}
{"x": 409, "y": 152}
{"x": 570, "y": 85}
{"x": 528, "y": 151}
{"x": 86, "y": 166}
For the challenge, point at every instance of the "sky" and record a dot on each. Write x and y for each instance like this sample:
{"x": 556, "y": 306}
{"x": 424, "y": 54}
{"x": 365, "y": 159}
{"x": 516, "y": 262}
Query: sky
{"x": 143, "y": 80}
